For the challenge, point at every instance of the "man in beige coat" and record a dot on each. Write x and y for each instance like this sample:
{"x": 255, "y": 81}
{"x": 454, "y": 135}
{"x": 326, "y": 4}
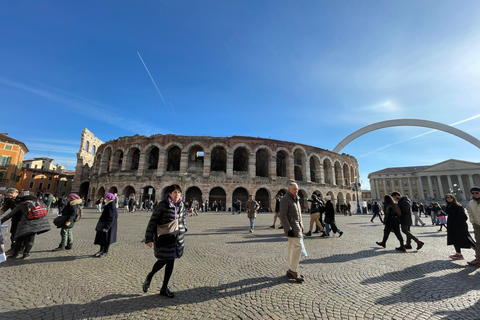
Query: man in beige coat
{"x": 473, "y": 209}
{"x": 291, "y": 217}
{"x": 252, "y": 206}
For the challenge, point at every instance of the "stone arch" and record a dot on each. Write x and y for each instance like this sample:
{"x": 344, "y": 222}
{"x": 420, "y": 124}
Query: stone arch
{"x": 241, "y": 194}
{"x": 327, "y": 170}
{"x": 93, "y": 149}
{"x": 128, "y": 156}
{"x": 282, "y": 156}
{"x": 262, "y": 160}
{"x": 319, "y": 193}
{"x": 145, "y": 194}
{"x": 193, "y": 193}
{"x": 346, "y": 175}
{"x": 340, "y": 198}
{"x": 174, "y": 155}
{"x": 314, "y": 168}
{"x": 196, "y": 156}
{"x": 106, "y": 156}
{"x": 152, "y": 154}
{"x": 218, "y": 195}
{"x": 83, "y": 192}
{"x": 241, "y": 156}
{"x": 218, "y": 158}
{"x": 128, "y": 192}
{"x": 410, "y": 123}
{"x": 117, "y": 160}
{"x": 338, "y": 173}
{"x": 262, "y": 196}
{"x": 299, "y": 157}
{"x": 87, "y": 145}
{"x": 100, "y": 192}
{"x": 98, "y": 162}
{"x": 303, "y": 195}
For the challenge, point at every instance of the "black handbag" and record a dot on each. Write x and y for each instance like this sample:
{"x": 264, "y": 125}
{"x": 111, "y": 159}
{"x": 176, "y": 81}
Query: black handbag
{"x": 60, "y": 221}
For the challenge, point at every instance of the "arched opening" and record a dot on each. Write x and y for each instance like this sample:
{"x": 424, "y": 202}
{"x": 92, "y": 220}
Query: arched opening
{"x": 218, "y": 160}
{"x": 240, "y": 194}
{"x": 261, "y": 163}
{"x": 298, "y": 164}
{"x": 117, "y": 160}
{"x": 282, "y": 192}
{"x": 93, "y": 149}
{"x": 346, "y": 175}
{"x": 147, "y": 195}
{"x": 87, "y": 146}
{"x": 135, "y": 159}
{"x": 319, "y": 194}
{"x": 262, "y": 196}
{"x": 153, "y": 158}
{"x": 101, "y": 192}
{"x": 173, "y": 160}
{"x": 129, "y": 192}
{"x": 217, "y": 197}
{"x": 196, "y": 157}
{"x": 83, "y": 192}
{"x": 340, "y": 198}
{"x": 327, "y": 171}
{"x": 113, "y": 190}
{"x": 240, "y": 160}
{"x": 107, "y": 154}
{"x": 193, "y": 194}
{"x": 281, "y": 164}
{"x": 314, "y": 167}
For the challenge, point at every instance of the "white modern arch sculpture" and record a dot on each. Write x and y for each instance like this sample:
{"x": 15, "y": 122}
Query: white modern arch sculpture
{"x": 411, "y": 123}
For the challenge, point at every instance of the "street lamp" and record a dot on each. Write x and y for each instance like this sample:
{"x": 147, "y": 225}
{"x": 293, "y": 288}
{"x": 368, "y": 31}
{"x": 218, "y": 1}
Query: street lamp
{"x": 356, "y": 186}
{"x": 455, "y": 190}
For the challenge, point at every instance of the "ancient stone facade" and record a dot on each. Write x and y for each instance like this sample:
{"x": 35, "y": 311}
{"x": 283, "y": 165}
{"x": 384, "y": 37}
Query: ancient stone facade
{"x": 85, "y": 157}
{"x": 219, "y": 169}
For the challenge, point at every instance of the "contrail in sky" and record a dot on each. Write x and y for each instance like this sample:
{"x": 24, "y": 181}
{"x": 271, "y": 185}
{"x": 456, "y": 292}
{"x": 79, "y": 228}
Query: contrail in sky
{"x": 418, "y": 136}
{"x": 152, "y": 80}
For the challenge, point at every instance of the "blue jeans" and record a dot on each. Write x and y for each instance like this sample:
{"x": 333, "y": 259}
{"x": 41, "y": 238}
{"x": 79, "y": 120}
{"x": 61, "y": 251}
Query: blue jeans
{"x": 252, "y": 223}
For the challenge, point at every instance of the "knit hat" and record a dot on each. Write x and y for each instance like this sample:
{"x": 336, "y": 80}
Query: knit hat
{"x": 109, "y": 196}
{"x": 475, "y": 189}
{"x": 72, "y": 196}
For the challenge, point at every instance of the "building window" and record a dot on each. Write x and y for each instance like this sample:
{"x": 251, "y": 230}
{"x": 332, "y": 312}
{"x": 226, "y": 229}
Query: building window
{"x": 48, "y": 186}
{"x": 30, "y": 186}
{"x": 414, "y": 182}
{"x": 396, "y": 183}
{"x": 388, "y": 183}
{"x": 40, "y": 186}
{"x": 33, "y": 176}
{"x": 42, "y": 177}
{"x": 5, "y": 161}
{"x": 86, "y": 146}
{"x": 404, "y": 182}
{"x": 93, "y": 149}
{"x": 50, "y": 178}
{"x": 8, "y": 147}
{"x": 380, "y": 183}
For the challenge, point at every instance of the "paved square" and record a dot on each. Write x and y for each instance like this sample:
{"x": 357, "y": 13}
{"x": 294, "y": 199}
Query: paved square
{"x": 229, "y": 273}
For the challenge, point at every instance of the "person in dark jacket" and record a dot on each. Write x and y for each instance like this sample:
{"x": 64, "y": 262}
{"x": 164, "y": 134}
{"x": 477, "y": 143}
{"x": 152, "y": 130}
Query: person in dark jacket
{"x": 9, "y": 204}
{"x": 70, "y": 212}
{"x": 277, "y": 211}
{"x": 165, "y": 231}
{"x": 26, "y": 229}
{"x": 406, "y": 219}
{"x": 330, "y": 218}
{"x": 315, "y": 216}
{"x": 107, "y": 226}
{"x": 376, "y": 212}
{"x": 391, "y": 222}
{"x": 457, "y": 228}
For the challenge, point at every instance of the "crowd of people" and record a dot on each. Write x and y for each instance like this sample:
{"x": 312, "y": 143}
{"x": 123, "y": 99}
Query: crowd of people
{"x": 167, "y": 225}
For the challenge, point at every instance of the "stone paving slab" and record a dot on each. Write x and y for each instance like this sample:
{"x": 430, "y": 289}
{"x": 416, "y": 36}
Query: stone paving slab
{"x": 229, "y": 273}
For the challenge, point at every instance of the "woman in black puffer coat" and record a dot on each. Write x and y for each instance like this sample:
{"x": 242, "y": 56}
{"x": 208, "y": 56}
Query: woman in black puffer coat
{"x": 165, "y": 231}
{"x": 26, "y": 229}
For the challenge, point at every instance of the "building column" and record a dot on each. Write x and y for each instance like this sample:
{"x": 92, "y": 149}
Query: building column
{"x": 183, "y": 162}
{"x": 162, "y": 161}
{"x": 342, "y": 178}
{"x": 207, "y": 162}
{"x": 460, "y": 185}
{"x": 141, "y": 163}
{"x": 290, "y": 168}
{"x": 440, "y": 187}
{"x": 229, "y": 165}
{"x": 252, "y": 165}
{"x": 334, "y": 176}
{"x": 409, "y": 188}
{"x": 321, "y": 176}
{"x": 420, "y": 186}
{"x": 429, "y": 181}
{"x": 308, "y": 176}
{"x": 450, "y": 185}
{"x": 470, "y": 178}
{"x": 272, "y": 166}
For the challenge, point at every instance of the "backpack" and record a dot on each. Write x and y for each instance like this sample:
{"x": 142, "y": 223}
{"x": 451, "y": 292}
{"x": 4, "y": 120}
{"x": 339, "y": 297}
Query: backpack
{"x": 36, "y": 210}
{"x": 79, "y": 213}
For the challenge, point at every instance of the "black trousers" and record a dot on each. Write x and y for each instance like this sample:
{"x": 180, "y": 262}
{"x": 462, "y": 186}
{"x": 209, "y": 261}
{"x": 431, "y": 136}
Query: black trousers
{"x": 406, "y": 230}
{"x": 396, "y": 229}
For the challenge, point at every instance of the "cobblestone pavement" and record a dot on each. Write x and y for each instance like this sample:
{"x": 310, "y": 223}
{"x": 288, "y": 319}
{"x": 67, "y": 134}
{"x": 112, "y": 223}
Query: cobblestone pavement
{"x": 229, "y": 273}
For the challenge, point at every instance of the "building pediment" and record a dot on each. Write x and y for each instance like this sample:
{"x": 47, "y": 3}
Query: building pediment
{"x": 452, "y": 165}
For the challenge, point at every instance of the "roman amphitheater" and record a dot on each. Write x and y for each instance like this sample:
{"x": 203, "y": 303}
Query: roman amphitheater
{"x": 221, "y": 169}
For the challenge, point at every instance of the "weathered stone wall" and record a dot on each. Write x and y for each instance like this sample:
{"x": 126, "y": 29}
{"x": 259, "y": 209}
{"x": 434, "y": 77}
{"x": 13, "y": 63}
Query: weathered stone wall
{"x": 238, "y": 165}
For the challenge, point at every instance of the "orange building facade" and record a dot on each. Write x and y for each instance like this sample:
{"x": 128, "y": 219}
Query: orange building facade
{"x": 12, "y": 152}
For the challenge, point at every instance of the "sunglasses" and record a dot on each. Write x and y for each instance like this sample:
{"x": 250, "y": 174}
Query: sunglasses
{"x": 475, "y": 192}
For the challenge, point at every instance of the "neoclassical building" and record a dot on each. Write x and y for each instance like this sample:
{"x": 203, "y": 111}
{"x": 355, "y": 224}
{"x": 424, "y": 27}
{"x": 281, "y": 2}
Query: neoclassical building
{"x": 221, "y": 169}
{"x": 427, "y": 183}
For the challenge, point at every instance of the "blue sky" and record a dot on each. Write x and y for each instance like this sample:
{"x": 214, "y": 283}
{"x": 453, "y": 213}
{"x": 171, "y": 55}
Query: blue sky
{"x": 310, "y": 72}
